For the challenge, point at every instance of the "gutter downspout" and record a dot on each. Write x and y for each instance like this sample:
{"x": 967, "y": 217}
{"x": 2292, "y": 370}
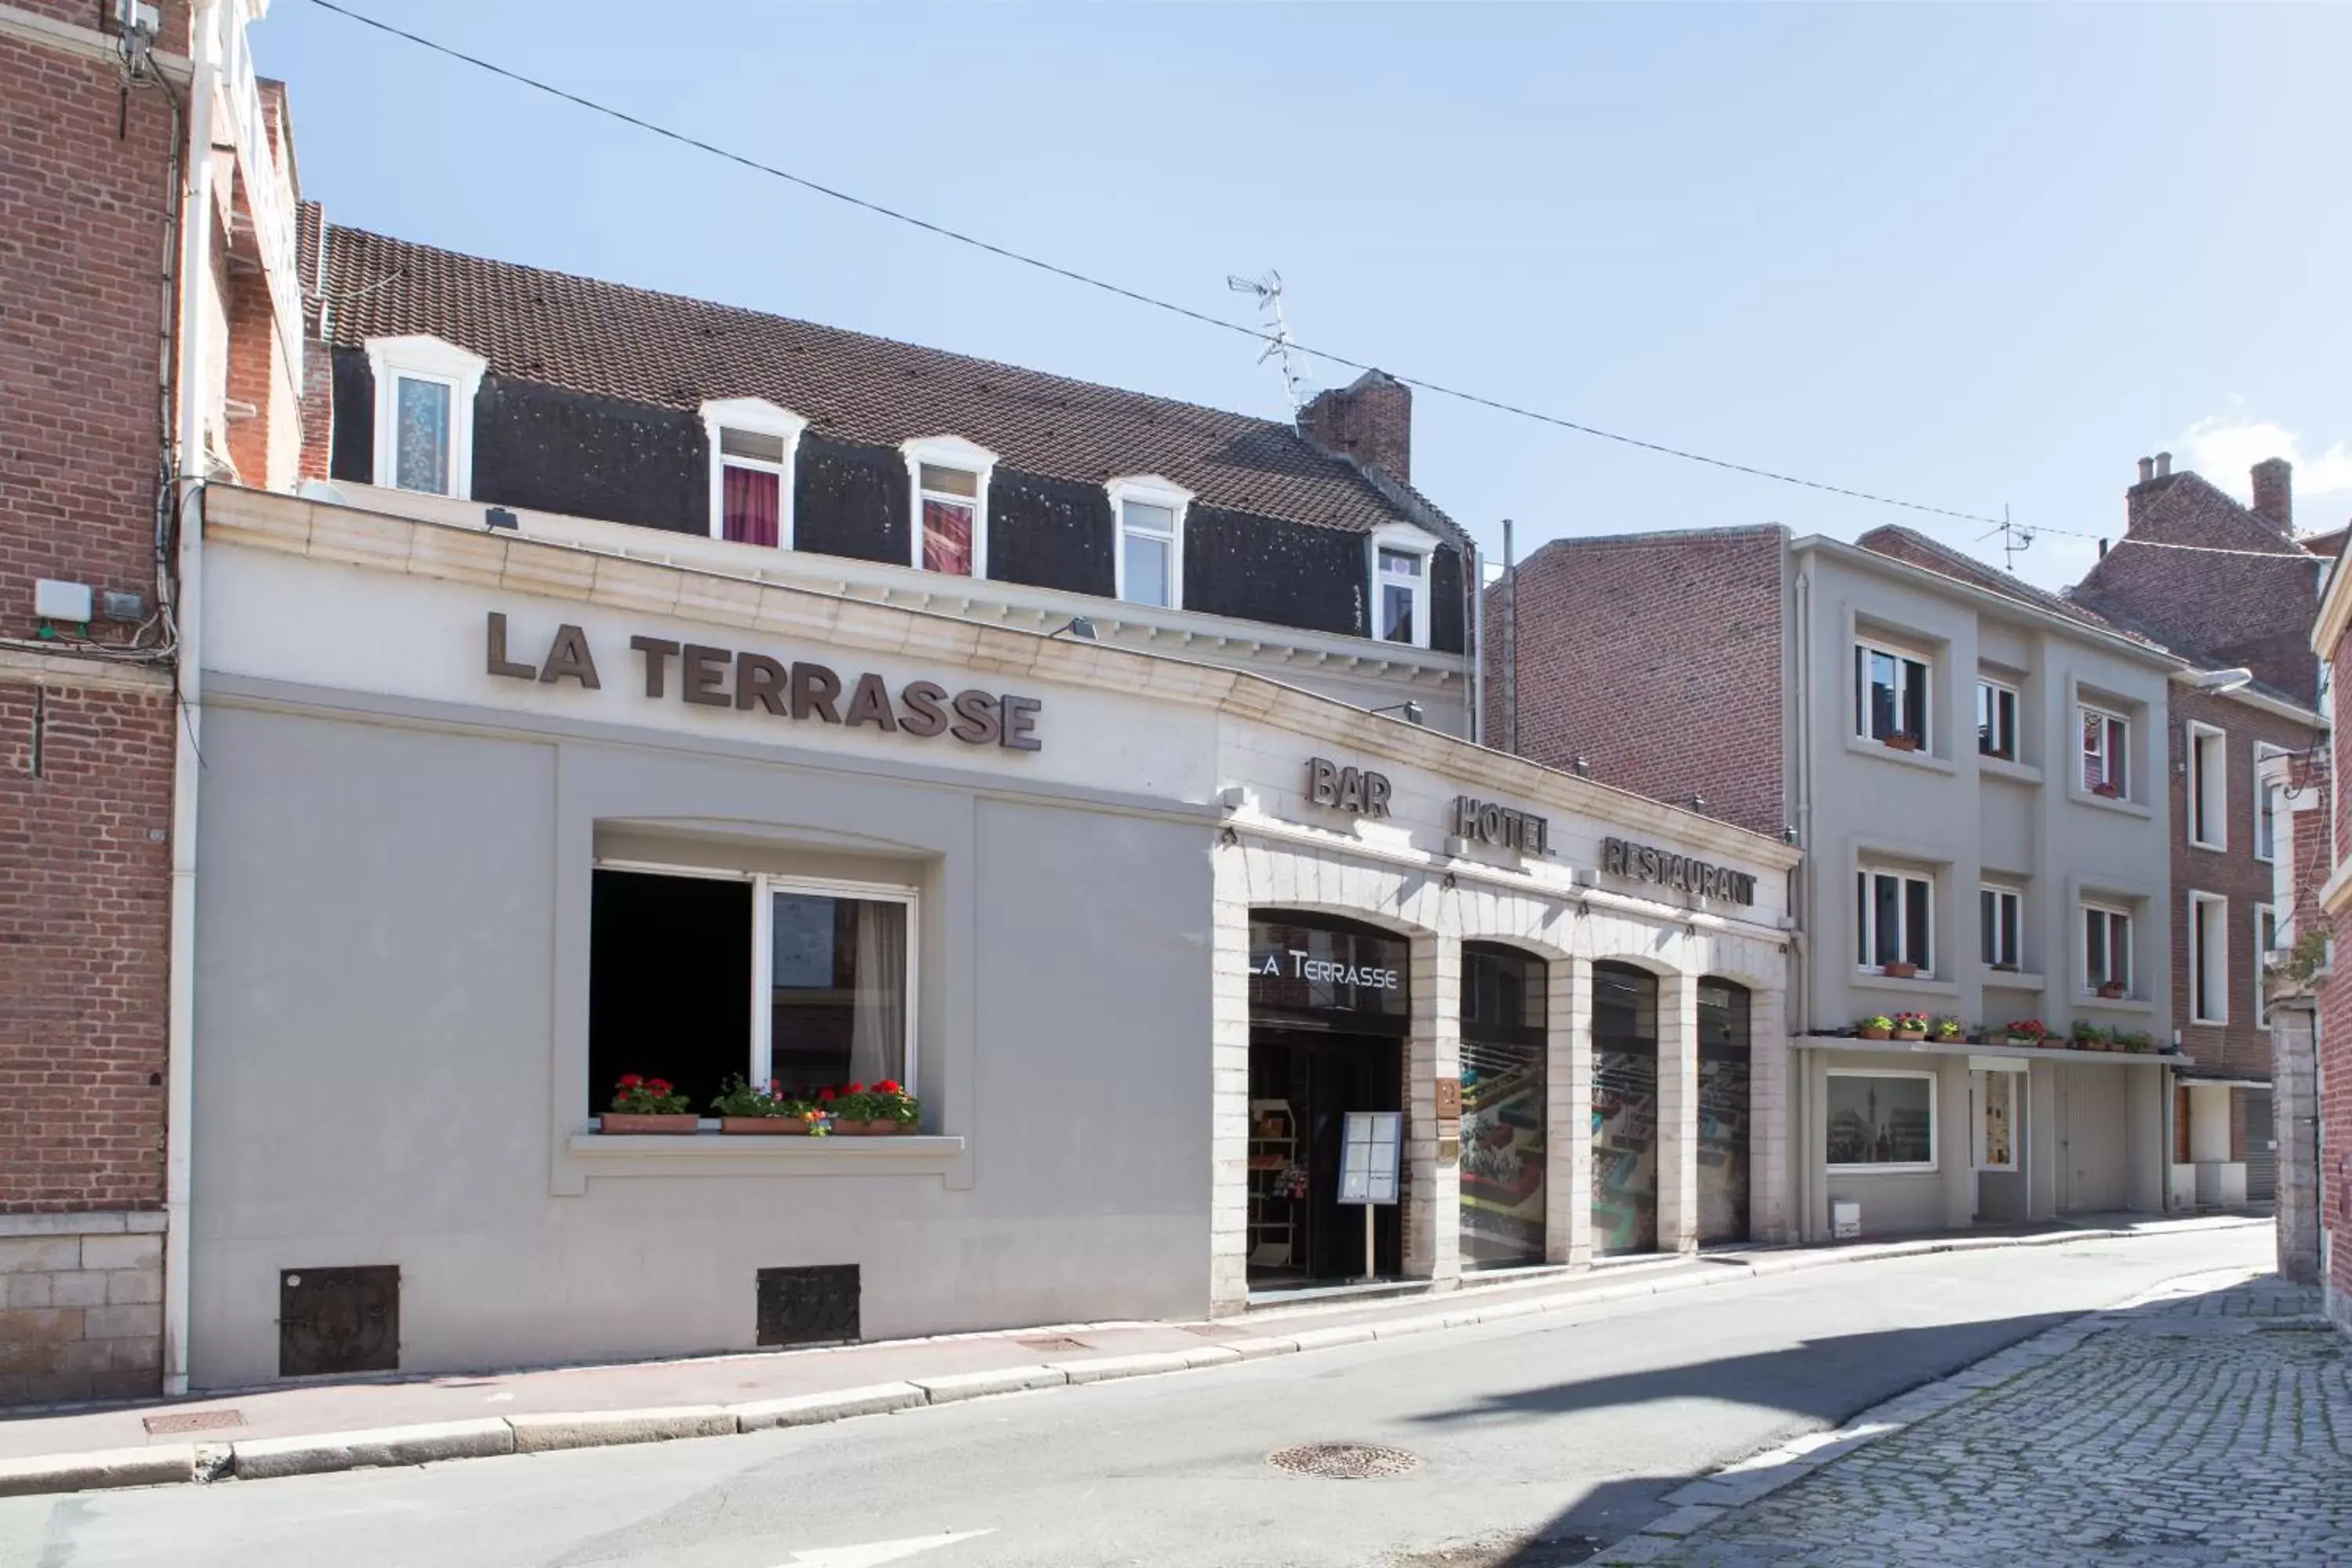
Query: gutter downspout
{"x": 195, "y": 279}
{"x": 1472, "y": 569}
{"x": 1810, "y": 1199}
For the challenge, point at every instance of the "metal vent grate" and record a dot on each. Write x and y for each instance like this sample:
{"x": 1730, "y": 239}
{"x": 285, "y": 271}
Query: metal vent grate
{"x": 809, "y": 1306}
{"x": 339, "y": 1320}
{"x": 1344, "y": 1461}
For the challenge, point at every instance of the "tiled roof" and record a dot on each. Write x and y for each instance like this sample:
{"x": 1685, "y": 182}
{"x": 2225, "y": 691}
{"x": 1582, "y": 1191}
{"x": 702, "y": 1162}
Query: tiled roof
{"x": 591, "y": 336}
{"x": 1917, "y": 549}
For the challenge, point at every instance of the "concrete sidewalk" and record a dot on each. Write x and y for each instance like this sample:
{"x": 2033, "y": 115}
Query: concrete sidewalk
{"x": 292, "y": 1430}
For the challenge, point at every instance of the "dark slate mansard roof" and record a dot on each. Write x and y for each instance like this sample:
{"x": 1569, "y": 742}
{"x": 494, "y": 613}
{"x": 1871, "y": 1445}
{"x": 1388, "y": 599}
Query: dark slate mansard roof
{"x": 668, "y": 350}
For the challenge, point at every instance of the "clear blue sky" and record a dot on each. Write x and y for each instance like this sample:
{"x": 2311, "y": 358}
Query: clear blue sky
{"x": 1969, "y": 255}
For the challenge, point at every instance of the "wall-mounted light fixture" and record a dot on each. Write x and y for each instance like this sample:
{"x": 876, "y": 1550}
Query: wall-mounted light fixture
{"x": 1581, "y": 767}
{"x": 1079, "y": 626}
{"x": 1409, "y": 711}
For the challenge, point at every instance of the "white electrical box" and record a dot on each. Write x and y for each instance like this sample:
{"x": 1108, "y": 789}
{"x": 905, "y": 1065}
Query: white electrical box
{"x": 56, "y": 601}
{"x": 1845, "y": 1219}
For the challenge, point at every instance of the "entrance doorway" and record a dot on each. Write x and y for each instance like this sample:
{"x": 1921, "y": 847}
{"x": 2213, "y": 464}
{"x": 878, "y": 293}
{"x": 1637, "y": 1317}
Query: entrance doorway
{"x": 1329, "y": 1012}
{"x": 1625, "y": 1108}
{"x": 1504, "y": 1106}
{"x": 1725, "y": 1080}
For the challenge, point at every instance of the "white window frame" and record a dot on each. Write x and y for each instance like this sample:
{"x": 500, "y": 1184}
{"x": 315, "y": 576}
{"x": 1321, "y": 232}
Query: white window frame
{"x": 2209, "y": 971}
{"x": 759, "y": 418}
{"x": 2108, "y": 719}
{"x": 2267, "y": 937}
{"x": 764, "y": 885}
{"x": 1406, "y": 539}
{"x": 1934, "y": 1126}
{"x": 2000, "y": 689}
{"x": 948, "y": 452}
{"x": 1905, "y": 659}
{"x": 1866, "y": 916}
{"x": 2016, "y": 897}
{"x": 2082, "y": 931}
{"x": 1150, "y": 490}
{"x": 429, "y": 358}
{"x": 2206, "y": 797}
{"x": 2270, "y": 801}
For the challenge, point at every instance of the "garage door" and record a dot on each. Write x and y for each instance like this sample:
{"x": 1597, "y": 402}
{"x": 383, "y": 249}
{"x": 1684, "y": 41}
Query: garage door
{"x": 2094, "y": 1142}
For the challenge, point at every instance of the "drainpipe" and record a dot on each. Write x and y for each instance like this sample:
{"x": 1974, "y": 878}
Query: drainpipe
{"x": 195, "y": 279}
{"x": 1811, "y": 1198}
{"x": 1473, "y": 568}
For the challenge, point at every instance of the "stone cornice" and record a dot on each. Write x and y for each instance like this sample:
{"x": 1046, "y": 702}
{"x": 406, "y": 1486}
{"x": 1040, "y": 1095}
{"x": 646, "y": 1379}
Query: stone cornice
{"x": 488, "y": 558}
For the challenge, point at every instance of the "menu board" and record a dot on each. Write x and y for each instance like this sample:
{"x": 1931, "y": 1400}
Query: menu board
{"x": 1369, "y": 1157}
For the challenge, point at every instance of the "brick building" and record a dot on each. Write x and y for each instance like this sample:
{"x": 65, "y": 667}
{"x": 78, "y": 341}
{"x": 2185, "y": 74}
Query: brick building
{"x": 1974, "y": 769}
{"x": 114, "y": 378}
{"x": 2237, "y": 602}
{"x": 2331, "y": 1079}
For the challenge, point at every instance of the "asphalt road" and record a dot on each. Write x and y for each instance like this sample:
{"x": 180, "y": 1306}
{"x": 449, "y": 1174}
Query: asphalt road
{"x": 1535, "y": 1440}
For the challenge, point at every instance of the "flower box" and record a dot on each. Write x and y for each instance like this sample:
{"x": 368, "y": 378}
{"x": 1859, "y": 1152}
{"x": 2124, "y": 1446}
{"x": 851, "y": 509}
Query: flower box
{"x": 1900, "y": 971}
{"x": 871, "y": 1128}
{"x": 2112, "y": 990}
{"x": 2023, "y": 1041}
{"x": 2106, "y": 792}
{"x": 1869, "y": 1032}
{"x": 765, "y": 1126}
{"x": 1901, "y": 743}
{"x": 1909, "y": 1035}
{"x": 684, "y": 1121}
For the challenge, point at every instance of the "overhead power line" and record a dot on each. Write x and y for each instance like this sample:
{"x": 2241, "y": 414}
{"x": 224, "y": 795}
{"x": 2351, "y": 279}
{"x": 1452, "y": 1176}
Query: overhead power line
{"x": 1071, "y": 275}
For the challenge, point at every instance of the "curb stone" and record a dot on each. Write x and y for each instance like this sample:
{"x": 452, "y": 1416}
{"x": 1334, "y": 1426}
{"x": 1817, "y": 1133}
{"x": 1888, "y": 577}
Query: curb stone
{"x": 1760, "y": 1474}
{"x": 267, "y": 1458}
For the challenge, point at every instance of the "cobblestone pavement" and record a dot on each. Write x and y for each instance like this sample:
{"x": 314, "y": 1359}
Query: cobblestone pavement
{"x": 2212, "y": 1428}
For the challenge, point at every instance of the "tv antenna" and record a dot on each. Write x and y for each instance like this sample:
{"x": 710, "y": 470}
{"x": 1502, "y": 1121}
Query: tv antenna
{"x": 1278, "y": 344}
{"x": 2016, "y": 538}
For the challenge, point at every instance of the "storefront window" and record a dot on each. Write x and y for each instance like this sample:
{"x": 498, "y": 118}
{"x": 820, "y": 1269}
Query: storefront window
{"x": 675, "y": 959}
{"x": 1625, "y": 1108}
{"x": 1328, "y": 976}
{"x": 1503, "y": 1106}
{"x": 1724, "y": 1093}
{"x": 1882, "y": 1121}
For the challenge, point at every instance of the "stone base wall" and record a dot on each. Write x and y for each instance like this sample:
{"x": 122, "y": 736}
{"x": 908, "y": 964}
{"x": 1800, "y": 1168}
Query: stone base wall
{"x": 81, "y": 1312}
{"x": 2295, "y": 1113}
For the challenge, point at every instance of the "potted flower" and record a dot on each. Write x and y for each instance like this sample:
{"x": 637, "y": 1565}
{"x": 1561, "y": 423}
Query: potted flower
{"x": 1910, "y": 1027}
{"x": 1877, "y": 1026}
{"x": 2111, "y": 989}
{"x": 1899, "y": 742}
{"x": 647, "y": 1105}
{"x": 745, "y": 1109}
{"x": 1899, "y": 970}
{"x": 2107, "y": 791}
{"x": 2136, "y": 1041}
{"x": 2089, "y": 1036}
{"x": 2027, "y": 1032}
{"x": 873, "y": 1111}
{"x": 1949, "y": 1031}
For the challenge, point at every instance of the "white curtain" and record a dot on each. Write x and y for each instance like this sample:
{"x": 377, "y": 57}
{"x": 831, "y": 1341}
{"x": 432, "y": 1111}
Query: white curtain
{"x": 878, "y": 1030}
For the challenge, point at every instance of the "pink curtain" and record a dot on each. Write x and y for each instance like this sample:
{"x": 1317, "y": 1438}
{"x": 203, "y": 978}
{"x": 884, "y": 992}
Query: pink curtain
{"x": 947, "y": 537}
{"x": 749, "y": 498}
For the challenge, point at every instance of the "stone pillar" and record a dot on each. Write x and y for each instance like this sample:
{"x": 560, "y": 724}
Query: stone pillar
{"x": 2295, "y": 1111}
{"x": 1432, "y": 1217}
{"x": 1568, "y": 1111}
{"x": 1768, "y": 1117}
{"x": 81, "y": 1306}
{"x": 1229, "y": 1064}
{"x": 1678, "y": 1112}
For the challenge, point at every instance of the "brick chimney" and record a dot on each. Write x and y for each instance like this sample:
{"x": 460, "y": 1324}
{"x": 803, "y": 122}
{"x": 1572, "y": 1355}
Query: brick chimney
{"x": 1371, "y": 420}
{"x": 2274, "y": 493}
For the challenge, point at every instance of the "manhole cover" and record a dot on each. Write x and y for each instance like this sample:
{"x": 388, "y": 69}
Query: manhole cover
{"x": 1343, "y": 1461}
{"x": 1055, "y": 1342}
{"x": 192, "y": 1421}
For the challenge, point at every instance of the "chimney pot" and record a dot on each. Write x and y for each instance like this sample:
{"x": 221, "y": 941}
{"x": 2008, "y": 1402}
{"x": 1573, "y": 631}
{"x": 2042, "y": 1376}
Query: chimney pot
{"x": 2164, "y": 465}
{"x": 2274, "y": 493}
{"x": 2103, "y": 543}
{"x": 2146, "y": 469}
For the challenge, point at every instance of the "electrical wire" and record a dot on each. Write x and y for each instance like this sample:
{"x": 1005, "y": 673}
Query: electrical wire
{"x": 1120, "y": 290}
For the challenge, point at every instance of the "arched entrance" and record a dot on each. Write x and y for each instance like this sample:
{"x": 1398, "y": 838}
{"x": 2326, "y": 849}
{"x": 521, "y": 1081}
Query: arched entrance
{"x": 1725, "y": 1080}
{"x": 1503, "y": 1156}
{"x": 1625, "y": 1108}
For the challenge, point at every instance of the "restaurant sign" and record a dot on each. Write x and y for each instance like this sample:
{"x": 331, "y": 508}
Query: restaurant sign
{"x": 1648, "y": 863}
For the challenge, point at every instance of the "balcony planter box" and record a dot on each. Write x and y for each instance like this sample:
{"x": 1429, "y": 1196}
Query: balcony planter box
{"x": 767, "y": 1126}
{"x": 2025, "y": 1041}
{"x": 2112, "y": 990}
{"x": 871, "y": 1128}
{"x": 1867, "y": 1033}
{"x": 684, "y": 1121}
{"x": 1899, "y": 970}
{"x": 2106, "y": 792}
{"x": 1901, "y": 743}
{"x": 1910, "y": 1033}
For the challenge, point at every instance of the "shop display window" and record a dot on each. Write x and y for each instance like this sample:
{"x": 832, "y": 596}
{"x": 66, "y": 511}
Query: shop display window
{"x": 1882, "y": 1121}
{"x": 1504, "y": 1106}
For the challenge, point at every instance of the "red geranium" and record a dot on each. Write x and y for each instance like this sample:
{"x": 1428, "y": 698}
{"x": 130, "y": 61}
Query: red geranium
{"x": 642, "y": 1095}
{"x": 630, "y": 1080}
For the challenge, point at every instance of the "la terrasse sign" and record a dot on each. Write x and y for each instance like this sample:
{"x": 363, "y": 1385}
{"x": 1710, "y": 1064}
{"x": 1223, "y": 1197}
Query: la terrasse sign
{"x": 712, "y": 677}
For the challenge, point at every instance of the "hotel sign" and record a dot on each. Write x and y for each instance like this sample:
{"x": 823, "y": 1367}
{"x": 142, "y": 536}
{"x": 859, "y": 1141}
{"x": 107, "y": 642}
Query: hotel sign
{"x": 712, "y": 677}
{"x": 1648, "y": 863}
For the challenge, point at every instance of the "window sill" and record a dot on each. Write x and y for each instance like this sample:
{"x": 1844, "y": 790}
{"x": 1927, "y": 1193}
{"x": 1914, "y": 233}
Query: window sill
{"x": 1867, "y": 980}
{"x": 720, "y": 1153}
{"x": 2002, "y": 768}
{"x": 1926, "y": 761}
{"x": 1880, "y": 1170}
{"x": 2126, "y": 807}
{"x": 2219, "y": 849}
{"x": 2013, "y": 980}
{"x": 2112, "y": 1004}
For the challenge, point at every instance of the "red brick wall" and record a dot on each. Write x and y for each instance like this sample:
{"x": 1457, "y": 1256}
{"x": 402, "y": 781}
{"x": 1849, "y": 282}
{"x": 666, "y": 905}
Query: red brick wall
{"x": 2244, "y": 1044}
{"x": 84, "y": 891}
{"x": 1370, "y": 420}
{"x": 250, "y": 404}
{"x": 1658, "y": 659}
{"x": 85, "y": 916}
{"x": 2335, "y": 1040}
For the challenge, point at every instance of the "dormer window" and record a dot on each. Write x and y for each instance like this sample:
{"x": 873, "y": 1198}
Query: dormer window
{"x": 752, "y": 445}
{"x": 947, "y": 478}
{"x": 1400, "y": 558}
{"x": 424, "y": 390}
{"x": 1148, "y": 564}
